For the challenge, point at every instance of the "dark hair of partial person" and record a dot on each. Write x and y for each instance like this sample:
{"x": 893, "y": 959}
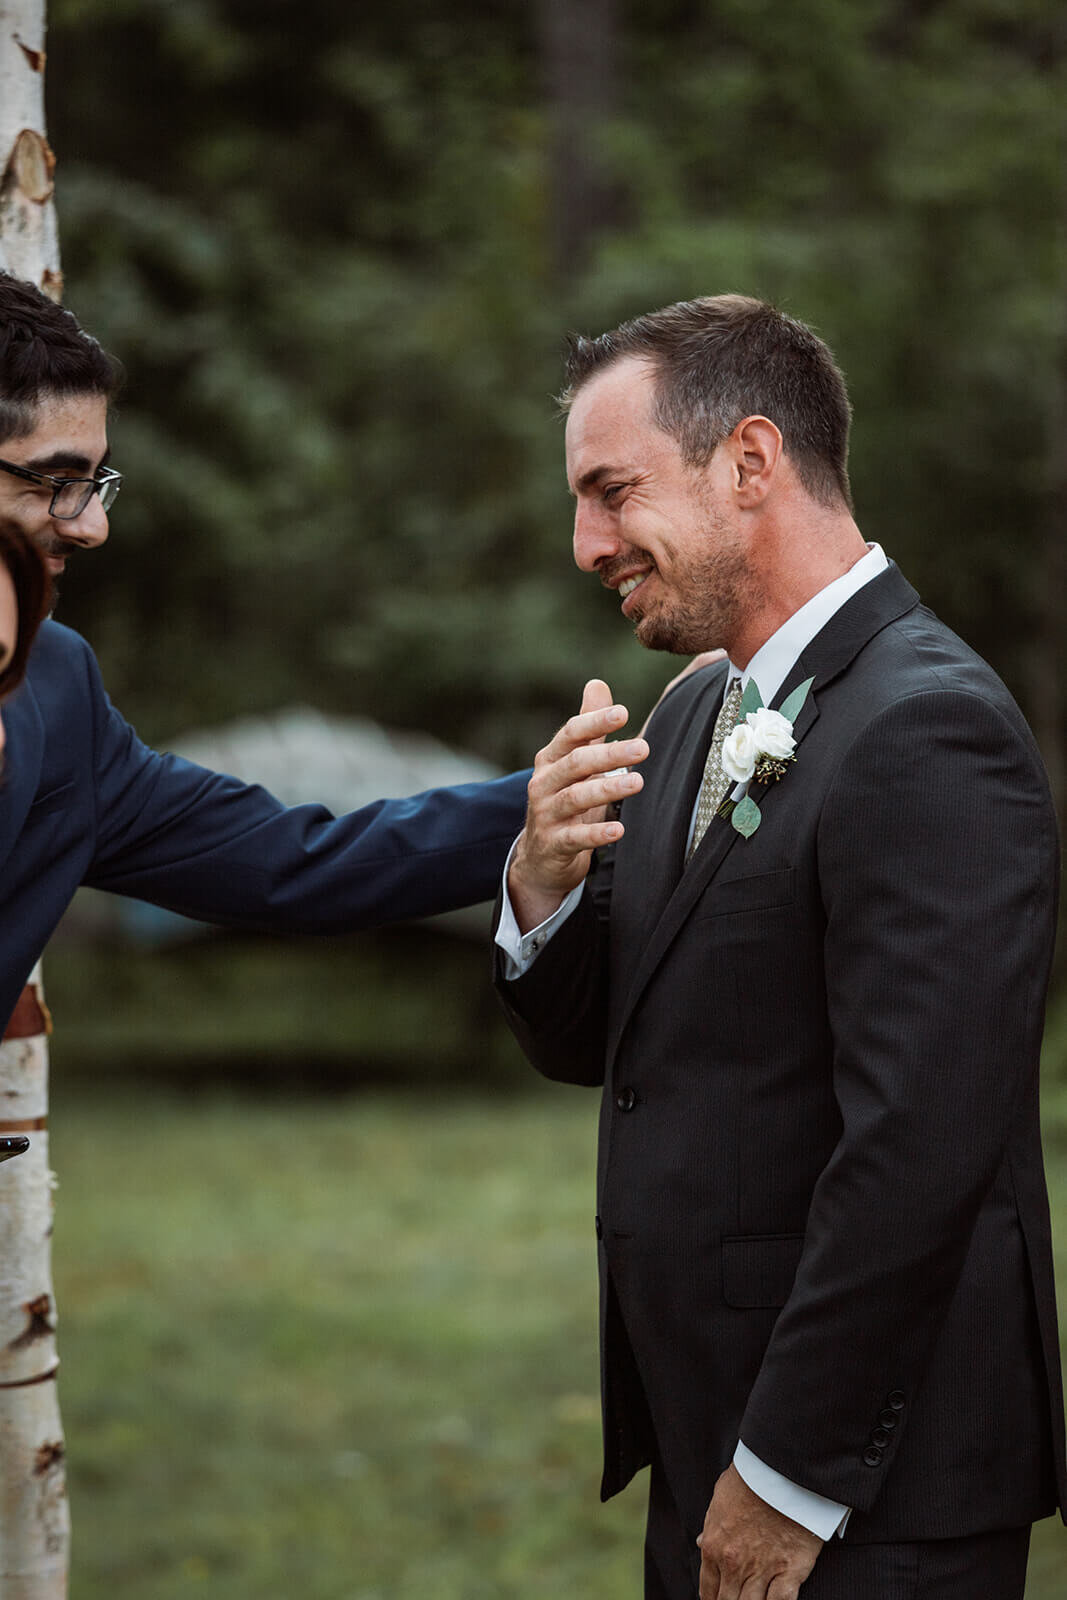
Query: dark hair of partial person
{"x": 44, "y": 353}
{"x": 725, "y": 357}
{"x": 33, "y": 590}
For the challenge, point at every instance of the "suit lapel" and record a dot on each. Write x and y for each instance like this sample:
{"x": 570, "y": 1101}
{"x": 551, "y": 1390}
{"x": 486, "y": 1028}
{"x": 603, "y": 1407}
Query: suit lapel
{"x": 24, "y": 751}
{"x": 877, "y": 604}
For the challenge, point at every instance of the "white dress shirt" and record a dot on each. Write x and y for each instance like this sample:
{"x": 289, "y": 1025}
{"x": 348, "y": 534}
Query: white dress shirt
{"x": 770, "y": 667}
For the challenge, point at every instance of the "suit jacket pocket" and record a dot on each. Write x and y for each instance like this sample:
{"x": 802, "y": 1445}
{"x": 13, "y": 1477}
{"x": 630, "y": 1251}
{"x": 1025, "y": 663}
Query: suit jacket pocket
{"x": 761, "y": 891}
{"x": 758, "y": 1269}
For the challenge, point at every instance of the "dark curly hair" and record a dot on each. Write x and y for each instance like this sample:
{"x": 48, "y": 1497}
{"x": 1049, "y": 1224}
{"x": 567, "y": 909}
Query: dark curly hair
{"x": 33, "y": 589}
{"x": 44, "y": 352}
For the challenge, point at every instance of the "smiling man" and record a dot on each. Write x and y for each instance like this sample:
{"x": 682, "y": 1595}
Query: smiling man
{"x": 810, "y": 975}
{"x": 86, "y": 802}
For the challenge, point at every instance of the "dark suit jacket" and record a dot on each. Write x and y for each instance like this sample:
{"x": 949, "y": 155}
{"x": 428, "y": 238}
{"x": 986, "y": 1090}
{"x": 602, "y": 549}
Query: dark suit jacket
{"x": 822, "y": 1213}
{"x": 84, "y": 801}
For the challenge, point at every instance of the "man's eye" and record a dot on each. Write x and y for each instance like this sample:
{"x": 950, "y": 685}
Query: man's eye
{"x": 612, "y": 490}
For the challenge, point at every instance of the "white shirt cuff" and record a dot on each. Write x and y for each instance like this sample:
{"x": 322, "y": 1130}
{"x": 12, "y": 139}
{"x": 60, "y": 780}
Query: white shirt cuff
{"x": 522, "y": 949}
{"x": 813, "y": 1511}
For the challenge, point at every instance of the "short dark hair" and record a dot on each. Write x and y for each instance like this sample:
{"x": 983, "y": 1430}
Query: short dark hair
{"x": 33, "y": 591}
{"x": 44, "y": 351}
{"x": 725, "y": 357}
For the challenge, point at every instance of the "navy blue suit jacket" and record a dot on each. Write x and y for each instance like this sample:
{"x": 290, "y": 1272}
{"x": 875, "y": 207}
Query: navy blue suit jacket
{"x": 85, "y": 801}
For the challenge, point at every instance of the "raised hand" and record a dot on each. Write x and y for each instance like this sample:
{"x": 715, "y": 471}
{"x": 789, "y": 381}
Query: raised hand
{"x": 576, "y": 777}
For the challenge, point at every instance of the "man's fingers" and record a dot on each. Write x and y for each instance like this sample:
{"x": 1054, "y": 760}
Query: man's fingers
{"x": 718, "y": 1584}
{"x": 573, "y": 839}
{"x": 586, "y": 727}
{"x": 596, "y": 696}
{"x": 553, "y": 773}
{"x": 575, "y": 799}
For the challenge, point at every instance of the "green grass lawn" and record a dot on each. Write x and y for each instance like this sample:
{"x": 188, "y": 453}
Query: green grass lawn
{"x": 342, "y": 1349}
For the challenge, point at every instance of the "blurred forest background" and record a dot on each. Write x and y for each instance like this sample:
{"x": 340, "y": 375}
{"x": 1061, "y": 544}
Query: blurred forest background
{"x": 337, "y": 247}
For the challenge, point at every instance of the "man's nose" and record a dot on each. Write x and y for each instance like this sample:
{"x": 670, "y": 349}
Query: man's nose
{"x": 595, "y": 539}
{"x": 89, "y": 528}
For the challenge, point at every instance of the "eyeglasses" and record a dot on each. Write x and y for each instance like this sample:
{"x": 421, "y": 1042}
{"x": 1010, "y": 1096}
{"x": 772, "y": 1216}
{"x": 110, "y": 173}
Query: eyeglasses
{"x": 70, "y": 496}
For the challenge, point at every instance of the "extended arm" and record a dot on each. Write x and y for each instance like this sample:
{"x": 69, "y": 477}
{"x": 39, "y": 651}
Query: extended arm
{"x": 222, "y": 851}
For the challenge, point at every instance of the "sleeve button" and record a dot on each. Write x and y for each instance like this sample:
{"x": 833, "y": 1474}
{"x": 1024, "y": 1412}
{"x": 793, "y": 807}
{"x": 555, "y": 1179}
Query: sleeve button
{"x": 872, "y": 1456}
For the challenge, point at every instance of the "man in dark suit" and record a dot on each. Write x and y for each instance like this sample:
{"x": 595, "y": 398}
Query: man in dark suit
{"x": 86, "y": 802}
{"x": 811, "y": 977}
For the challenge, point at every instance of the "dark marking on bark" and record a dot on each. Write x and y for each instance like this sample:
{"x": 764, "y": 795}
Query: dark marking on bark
{"x": 30, "y": 1017}
{"x": 31, "y": 170}
{"x": 40, "y": 1325}
{"x": 48, "y": 1455}
{"x": 35, "y": 58}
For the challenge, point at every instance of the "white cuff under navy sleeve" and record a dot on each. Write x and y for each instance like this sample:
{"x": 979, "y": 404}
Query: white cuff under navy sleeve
{"x": 522, "y": 949}
{"x": 813, "y": 1511}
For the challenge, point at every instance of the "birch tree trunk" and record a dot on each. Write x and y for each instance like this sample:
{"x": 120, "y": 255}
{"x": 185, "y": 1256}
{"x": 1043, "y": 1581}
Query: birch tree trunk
{"x": 34, "y": 1518}
{"x": 29, "y": 238}
{"x": 34, "y": 1521}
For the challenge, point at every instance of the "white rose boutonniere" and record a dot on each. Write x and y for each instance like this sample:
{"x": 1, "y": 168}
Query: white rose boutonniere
{"x": 762, "y": 747}
{"x": 739, "y": 753}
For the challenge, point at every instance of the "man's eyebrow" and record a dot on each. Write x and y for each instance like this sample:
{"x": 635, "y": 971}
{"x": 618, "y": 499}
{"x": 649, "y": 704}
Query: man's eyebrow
{"x": 593, "y": 478}
{"x": 67, "y": 461}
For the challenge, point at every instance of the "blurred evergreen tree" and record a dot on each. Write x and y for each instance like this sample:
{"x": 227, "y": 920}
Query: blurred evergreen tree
{"x": 326, "y": 241}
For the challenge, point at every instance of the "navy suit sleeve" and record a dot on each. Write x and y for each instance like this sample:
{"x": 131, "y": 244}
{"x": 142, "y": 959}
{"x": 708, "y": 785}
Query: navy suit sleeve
{"x": 222, "y": 851}
{"x": 938, "y": 867}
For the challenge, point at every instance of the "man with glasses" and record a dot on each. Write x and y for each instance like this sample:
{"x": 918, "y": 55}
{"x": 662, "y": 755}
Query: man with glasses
{"x": 69, "y": 496}
{"x": 87, "y": 802}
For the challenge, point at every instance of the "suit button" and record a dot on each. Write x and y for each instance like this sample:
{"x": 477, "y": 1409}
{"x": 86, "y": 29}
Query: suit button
{"x": 896, "y": 1400}
{"x": 626, "y": 1099}
{"x": 880, "y": 1437}
{"x": 872, "y": 1456}
{"x": 887, "y": 1418}
{"x": 599, "y": 1228}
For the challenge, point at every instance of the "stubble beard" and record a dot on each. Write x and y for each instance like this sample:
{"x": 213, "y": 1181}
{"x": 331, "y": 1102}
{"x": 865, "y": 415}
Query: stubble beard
{"x": 711, "y": 597}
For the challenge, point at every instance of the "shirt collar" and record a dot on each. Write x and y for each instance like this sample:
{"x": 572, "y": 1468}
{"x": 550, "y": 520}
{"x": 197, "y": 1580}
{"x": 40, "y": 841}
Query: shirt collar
{"x": 775, "y": 659}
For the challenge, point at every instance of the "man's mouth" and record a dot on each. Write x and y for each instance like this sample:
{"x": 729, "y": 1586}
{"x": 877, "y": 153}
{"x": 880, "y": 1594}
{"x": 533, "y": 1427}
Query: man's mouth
{"x": 628, "y": 585}
{"x": 56, "y": 553}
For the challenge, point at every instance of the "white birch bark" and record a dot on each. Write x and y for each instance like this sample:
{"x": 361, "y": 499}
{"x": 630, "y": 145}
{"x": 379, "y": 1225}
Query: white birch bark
{"x": 29, "y": 238}
{"x": 34, "y": 1519}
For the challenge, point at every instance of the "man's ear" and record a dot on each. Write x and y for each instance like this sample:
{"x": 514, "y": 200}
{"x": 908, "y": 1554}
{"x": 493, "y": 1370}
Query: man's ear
{"x": 756, "y": 455}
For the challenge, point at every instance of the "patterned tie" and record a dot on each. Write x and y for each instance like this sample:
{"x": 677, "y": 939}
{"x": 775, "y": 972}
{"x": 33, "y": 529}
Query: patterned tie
{"x": 715, "y": 782}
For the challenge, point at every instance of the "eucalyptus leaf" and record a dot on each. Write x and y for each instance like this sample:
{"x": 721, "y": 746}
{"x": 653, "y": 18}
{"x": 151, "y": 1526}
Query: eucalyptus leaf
{"x": 790, "y": 709}
{"x": 751, "y": 700}
{"x": 746, "y": 817}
